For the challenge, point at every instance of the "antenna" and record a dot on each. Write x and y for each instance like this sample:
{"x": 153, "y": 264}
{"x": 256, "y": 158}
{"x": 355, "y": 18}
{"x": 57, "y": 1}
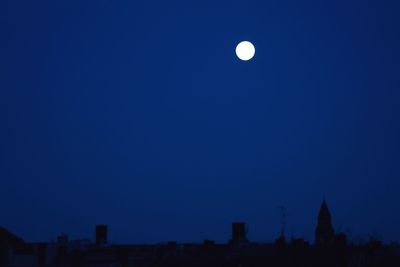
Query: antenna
{"x": 283, "y": 220}
{"x": 292, "y": 232}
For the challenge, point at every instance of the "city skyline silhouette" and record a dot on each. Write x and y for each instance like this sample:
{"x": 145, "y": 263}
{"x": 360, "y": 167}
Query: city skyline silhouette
{"x": 139, "y": 115}
{"x": 330, "y": 248}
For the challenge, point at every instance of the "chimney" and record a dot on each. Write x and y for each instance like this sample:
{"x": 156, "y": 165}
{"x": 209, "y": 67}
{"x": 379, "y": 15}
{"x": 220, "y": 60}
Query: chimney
{"x": 239, "y": 232}
{"x": 101, "y": 234}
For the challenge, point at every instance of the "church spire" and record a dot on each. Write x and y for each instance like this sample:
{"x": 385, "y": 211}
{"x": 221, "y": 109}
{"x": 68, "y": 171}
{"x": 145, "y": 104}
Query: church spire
{"x": 324, "y": 232}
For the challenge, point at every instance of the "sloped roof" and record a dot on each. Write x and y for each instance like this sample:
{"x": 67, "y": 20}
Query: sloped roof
{"x": 9, "y": 239}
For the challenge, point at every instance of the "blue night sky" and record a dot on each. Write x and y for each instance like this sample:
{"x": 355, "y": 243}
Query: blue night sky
{"x": 139, "y": 115}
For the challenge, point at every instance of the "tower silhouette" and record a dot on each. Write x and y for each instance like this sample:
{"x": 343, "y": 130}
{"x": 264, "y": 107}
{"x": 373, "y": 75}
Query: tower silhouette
{"x": 101, "y": 234}
{"x": 239, "y": 232}
{"x": 324, "y": 232}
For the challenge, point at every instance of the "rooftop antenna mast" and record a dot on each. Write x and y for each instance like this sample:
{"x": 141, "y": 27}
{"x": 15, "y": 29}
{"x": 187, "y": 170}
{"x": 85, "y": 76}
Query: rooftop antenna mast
{"x": 283, "y": 221}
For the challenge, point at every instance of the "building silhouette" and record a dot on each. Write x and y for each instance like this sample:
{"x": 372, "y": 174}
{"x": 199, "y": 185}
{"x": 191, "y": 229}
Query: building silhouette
{"x": 101, "y": 234}
{"x": 330, "y": 250}
{"x": 324, "y": 233}
{"x": 239, "y": 232}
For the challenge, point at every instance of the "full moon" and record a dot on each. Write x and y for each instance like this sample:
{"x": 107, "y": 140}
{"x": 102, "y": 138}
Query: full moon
{"x": 245, "y": 50}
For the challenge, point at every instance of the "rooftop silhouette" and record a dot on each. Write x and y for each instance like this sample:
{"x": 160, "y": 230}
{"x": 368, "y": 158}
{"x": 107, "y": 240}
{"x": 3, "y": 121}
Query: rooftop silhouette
{"x": 329, "y": 249}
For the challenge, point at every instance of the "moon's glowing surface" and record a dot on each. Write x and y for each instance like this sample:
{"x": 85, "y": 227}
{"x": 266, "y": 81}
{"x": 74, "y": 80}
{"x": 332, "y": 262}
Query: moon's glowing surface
{"x": 245, "y": 50}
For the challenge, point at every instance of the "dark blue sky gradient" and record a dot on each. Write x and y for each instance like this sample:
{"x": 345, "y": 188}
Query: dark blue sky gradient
{"x": 138, "y": 114}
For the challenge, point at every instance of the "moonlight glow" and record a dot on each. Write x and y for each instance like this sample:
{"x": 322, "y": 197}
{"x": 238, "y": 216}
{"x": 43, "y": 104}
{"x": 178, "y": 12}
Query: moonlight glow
{"x": 245, "y": 50}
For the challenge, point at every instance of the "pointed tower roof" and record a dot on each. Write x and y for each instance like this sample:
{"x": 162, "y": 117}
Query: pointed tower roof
{"x": 324, "y": 213}
{"x": 324, "y": 232}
